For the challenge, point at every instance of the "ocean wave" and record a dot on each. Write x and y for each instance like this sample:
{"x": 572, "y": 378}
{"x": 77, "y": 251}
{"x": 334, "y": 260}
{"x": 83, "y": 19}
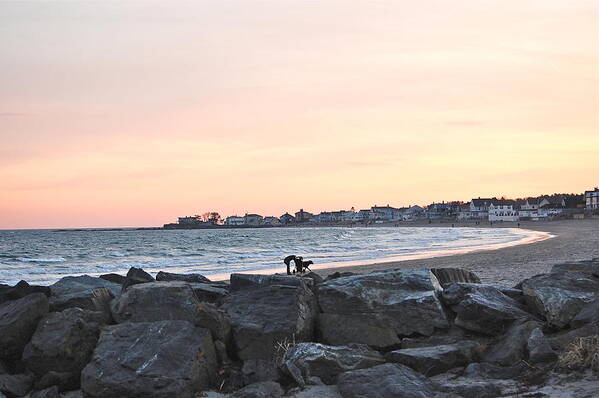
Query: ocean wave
{"x": 40, "y": 260}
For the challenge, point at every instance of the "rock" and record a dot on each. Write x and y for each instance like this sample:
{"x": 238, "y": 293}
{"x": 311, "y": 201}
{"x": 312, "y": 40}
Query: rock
{"x": 588, "y": 314}
{"x": 135, "y": 276}
{"x": 336, "y": 329}
{"x": 16, "y": 385}
{"x": 114, "y": 278}
{"x": 72, "y": 394}
{"x": 262, "y": 318}
{"x": 266, "y": 389}
{"x": 316, "y": 391}
{"x": 453, "y": 335}
{"x": 162, "y": 301}
{"x": 560, "y": 296}
{"x": 483, "y": 308}
{"x": 327, "y": 362}
{"x": 472, "y": 388}
{"x": 192, "y": 278}
{"x": 511, "y": 347}
{"x": 396, "y": 302}
{"x": 78, "y": 291}
{"x": 20, "y": 290}
{"x": 63, "y": 342}
{"x": 18, "y": 320}
{"x": 3, "y": 368}
{"x": 453, "y": 275}
{"x": 51, "y": 392}
{"x": 222, "y": 356}
{"x": 150, "y": 359}
{"x": 538, "y": 347}
{"x": 486, "y": 370}
{"x": 258, "y": 370}
{"x": 561, "y": 340}
{"x": 336, "y": 275}
{"x": 389, "y": 380}
{"x": 437, "y": 359}
{"x": 63, "y": 380}
{"x": 587, "y": 266}
{"x": 210, "y": 293}
{"x": 253, "y": 281}
{"x": 316, "y": 279}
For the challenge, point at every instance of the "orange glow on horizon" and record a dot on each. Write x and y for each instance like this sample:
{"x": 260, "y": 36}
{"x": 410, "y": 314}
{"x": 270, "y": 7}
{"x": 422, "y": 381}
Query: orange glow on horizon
{"x": 131, "y": 114}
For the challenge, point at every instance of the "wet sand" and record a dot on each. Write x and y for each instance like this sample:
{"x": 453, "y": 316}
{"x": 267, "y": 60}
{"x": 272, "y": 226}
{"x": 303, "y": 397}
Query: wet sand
{"x": 573, "y": 240}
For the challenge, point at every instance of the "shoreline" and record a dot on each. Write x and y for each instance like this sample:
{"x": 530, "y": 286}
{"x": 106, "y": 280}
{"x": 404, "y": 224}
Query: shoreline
{"x": 572, "y": 240}
{"x": 530, "y": 236}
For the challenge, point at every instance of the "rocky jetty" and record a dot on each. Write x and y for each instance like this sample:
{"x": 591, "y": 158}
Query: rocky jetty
{"x": 436, "y": 333}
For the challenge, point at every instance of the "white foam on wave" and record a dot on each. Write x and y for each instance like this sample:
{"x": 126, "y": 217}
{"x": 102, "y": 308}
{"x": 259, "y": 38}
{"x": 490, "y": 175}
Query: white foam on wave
{"x": 41, "y": 260}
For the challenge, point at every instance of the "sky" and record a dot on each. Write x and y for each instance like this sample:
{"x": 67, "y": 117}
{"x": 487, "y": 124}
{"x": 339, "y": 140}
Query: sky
{"x": 131, "y": 113}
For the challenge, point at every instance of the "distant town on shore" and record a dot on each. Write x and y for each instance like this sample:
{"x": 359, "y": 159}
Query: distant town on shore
{"x": 544, "y": 207}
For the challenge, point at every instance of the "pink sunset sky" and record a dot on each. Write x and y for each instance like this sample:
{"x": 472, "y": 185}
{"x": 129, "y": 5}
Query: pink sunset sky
{"x": 133, "y": 113}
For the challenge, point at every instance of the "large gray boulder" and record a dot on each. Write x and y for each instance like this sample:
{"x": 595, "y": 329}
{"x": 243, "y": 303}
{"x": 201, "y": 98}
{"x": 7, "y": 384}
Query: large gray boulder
{"x": 263, "y": 318}
{"x": 192, "y": 278}
{"x": 538, "y": 348}
{"x": 151, "y": 360}
{"x": 587, "y": 266}
{"x": 390, "y": 380}
{"x": 163, "y": 301}
{"x": 15, "y": 385}
{"x": 588, "y": 314}
{"x": 561, "y": 340}
{"x": 323, "y": 391}
{"x": 20, "y": 290}
{"x": 483, "y": 308}
{"x": 253, "y": 281}
{"x": 136, "y": 276}
{"x": 78, "y": 291}
{"x": 560, "y": 296}
{"x": 511, "y": 348}
{"x": 326, "y": 362}
{"x": 341, "y": 329}
{"x": 18, "y": 320}
{"x": 396, "y": 302}
{"x": 63, "y": 342}
{"x": 210, "y": 292}
{"x": 258, "y": 370}
{"x": 50, "y": 392}
{"x": 433, "y": 360}
{"x": 265, "y": 389}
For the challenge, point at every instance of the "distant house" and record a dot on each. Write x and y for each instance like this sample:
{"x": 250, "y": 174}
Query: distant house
{"x": 592, "y": 200}
{"x": 385, "y": 213}
{"x": 190, "y": 220}
{"x": 252, "y": 219}
{"x": 503, "y": 210}
{"x": 271, "y": 220}
{"x": 443, "y": 210}
{"x": 234, "y": 220}
{"x": 303, "y": 216}
{"x": 287, "y": 219}
{"x": 363, "y": 215}
{"x": 478, "y": 209}
{"x": 413, "y": 213}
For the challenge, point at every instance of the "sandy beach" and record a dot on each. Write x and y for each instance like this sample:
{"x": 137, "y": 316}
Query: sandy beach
{"x": 573, "y": 240}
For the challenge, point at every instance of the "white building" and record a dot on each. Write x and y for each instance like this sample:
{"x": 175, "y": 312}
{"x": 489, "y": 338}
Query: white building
{"x": 503, "y": 210}
{"x": 592, "y": 200}
{"x": 234, "y": 220}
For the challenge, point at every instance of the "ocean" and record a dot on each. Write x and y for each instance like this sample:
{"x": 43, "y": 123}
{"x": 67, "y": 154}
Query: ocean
{"x": 44, "y": 256}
